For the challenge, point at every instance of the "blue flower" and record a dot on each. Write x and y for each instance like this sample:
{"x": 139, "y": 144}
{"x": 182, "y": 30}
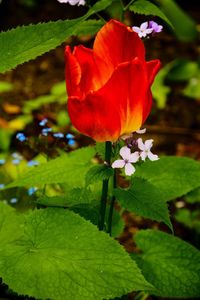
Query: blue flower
{"x": 43, "y": 122}
{"x": 32, "y": 163}
{"x": 21, "y": 137}
{"x": 71, "y": 142}
{"x": 45, "y": 131}
{"x": 17, "y": 158}
{"x": 2, "y": 185}
{"x": 13, "y": 200}
{"x": 59, "y": 135}
{"x": 32, "y": 190}
{"x": 2, "y": 161}
{"x": 70, "y": 136}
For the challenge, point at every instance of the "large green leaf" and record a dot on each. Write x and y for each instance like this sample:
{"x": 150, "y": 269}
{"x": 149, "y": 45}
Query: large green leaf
{"x": 170, "y": 264}
{"x": 145, "y": 7}
{"x": 98, "y": 173}
{"x": 73, "y": 197}
{"x": 62, "y": 256}
{"x": 69, "y": 168}
{"x": 10, "y": 224}
{"x": 144, "y": 199}
{"x": 27, "y": 42}
{"x": 172, "y": 176}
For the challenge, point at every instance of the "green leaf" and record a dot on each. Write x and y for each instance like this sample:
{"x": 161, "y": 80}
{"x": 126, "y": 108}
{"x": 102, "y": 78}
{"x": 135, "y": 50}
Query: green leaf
{"x": 98, "y": 173}
{"x": 182, "y": 70}
{"x": 74, "y": 197}
{"x": 184, "y": 26}
{"x": 69, "y": 168}
{"x": 10, "y": 225}
{"x": 23, "y": 43}
{"x": 172, "y": 176}
{"x": 5, "y": 87}
{"x": 145, "y": 7}
{"x": 170, "y": 264}
{"x": 117, "y": 223}
{"x": 193, "y": 196}
{"x": 144, "y": 199}
{"x": 90, "y": 27}
{"x": 89, "y": 211}
{"x": 99, "y": 6}
{"x": 36, "y": 103}
{"x": 189, "y": 218}
{"x": 59, "y": 89}
{"x": 159, "y": 89}
{"x": 62, "y": 256}
{"x": 192, "y": 90}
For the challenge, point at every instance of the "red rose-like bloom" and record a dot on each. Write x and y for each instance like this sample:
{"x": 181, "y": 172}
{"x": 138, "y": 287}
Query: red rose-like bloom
{"x": 109, "y": 87}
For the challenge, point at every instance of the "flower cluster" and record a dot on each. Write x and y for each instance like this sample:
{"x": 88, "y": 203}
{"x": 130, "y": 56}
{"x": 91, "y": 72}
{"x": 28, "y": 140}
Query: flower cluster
{"x": 147, "y": 28}
{"x": 128, "y": 157}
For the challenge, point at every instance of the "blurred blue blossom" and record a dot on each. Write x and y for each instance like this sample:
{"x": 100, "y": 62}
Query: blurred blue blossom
{"x": 17, "y": 158}
{"x": 13, "y": 200}
{"x": 45, "y": 131}
{"x": 32, "y": 190}
{"x": 2, "y": 161}
{"x": 71, "y": 142}
{"x": 59, "y": 135}
{"x": 32, "y": 163}
{"x": 70, "y": 136}
{"x": 21, "y": 137}
{"x": 43, "y": 122}
{"x": 2, "y": 185}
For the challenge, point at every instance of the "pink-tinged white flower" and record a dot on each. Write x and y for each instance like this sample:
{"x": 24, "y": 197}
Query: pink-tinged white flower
{"x": 73, "y": 2}
{"x": 127, "y": 159}
{"x": 146, "y": 149}
{"x": 143, "y": 30}
{"x": 141, "y": 131}
{"x": 155, "y": 26}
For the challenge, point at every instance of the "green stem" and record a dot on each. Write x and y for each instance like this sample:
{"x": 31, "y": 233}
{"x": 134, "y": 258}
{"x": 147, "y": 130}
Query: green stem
{"x": 110, "y": 216}
{"x": 127, "y": 6}
{"x": 102, "y": 212}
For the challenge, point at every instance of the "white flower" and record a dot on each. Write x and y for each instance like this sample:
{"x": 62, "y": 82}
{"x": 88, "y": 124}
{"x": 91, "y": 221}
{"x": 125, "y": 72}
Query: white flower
{"x": 127, "y": 159}
{"x": 141, "y": 131}
{"x": 146, "y": 149}
{"x": 143, "y": 30}
{"x": 73, "y": 2}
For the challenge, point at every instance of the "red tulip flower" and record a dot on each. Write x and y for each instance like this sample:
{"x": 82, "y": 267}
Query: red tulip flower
{"x": 109, "y": 87}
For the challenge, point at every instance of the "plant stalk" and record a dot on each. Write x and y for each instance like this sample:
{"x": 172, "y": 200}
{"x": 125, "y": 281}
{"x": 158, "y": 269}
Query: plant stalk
{"x": 102, "y": 212}
{"x": 112, "y": 203}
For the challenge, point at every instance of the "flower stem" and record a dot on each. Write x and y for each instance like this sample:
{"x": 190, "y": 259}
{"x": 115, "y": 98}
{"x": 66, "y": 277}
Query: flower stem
{"x": 102, "y": 212}
{"x": 110, "y": 216}
{"x": 127, "y": 6}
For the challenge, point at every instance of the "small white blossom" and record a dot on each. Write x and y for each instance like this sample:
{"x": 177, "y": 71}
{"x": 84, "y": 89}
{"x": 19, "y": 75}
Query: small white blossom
{"x": 143, "y": 30}
{"x": 146, "y": 149}
{"x": 73, "y": 2}
{"x": 141, "y": 131}
{"x": 127, "y": 159}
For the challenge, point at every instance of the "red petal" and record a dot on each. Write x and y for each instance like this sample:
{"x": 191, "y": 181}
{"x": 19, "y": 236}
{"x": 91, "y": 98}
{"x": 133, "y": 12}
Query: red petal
{"x": 73, "y": 74}
{"x": 115, "y": 109}
{"x": 153, "y": 67}
{"x": 94, "y": 71}
{"x": 116, "y": 43}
